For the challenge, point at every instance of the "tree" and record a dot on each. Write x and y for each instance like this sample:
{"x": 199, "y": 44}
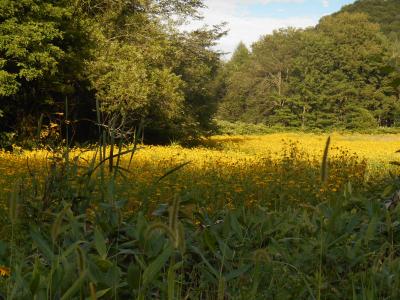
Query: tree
{"x": 231, "y": 86}
{"x": 197, "y": 64}
{"x": 161, "y": 77}
{"x": 319, "y": 77}
{"x": 257, "y": 85}
{"x": 42, "y": 44}
{"x": 385, "y": 13}
{"x": 360, "y": 56}
{"x": 273, "y": 62}
{"x": 127, "y": 55}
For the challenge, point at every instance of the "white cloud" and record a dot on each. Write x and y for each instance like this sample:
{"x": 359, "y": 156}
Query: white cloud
{"x": 242, "y": 25}
{"x": 325, "y": 3}
{"x": 264, "y": 1}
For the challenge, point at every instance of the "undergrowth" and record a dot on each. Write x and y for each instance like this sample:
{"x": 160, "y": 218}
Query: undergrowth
{"x": 73, "y": 233}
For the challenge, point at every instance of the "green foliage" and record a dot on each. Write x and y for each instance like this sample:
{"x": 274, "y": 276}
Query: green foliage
{"x": 29, "y": 43}
{"x": 231, "y": 83}
{"x": 129, "y": 56}
{"x": 42, "y": 46}
{"x": 125, "y": 84}
{"x": 197, "y": 64}
{"x": 360, "y": 118}
{"x": 132, "y": 58}
{"x": 85, "y": 243}
{"x": 241, "y": 128}
{"x": 384, "y": 13}
{"x": 321, "y": 77}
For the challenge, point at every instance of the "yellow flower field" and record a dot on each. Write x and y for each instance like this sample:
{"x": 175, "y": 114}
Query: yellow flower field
{"x": 227, "y": 169}
{"x": 377, "y": 149}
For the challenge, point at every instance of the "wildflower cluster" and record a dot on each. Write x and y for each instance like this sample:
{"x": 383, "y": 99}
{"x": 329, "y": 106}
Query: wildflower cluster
{"x": 272, "y": 170}
{"x": 204, "y": 223}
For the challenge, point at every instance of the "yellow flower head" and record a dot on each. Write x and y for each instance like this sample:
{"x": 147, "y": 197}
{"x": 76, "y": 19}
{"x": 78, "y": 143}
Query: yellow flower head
{"x": 4, "y": 271}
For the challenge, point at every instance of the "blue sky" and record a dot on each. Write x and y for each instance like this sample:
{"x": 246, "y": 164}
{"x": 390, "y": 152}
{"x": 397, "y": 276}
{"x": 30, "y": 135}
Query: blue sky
{"x": 306, "y": 8}
{"x": 250, "y": 19}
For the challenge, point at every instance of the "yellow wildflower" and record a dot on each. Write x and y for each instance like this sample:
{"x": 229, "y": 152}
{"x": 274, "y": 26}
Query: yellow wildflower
{"x": 4, "y": 271}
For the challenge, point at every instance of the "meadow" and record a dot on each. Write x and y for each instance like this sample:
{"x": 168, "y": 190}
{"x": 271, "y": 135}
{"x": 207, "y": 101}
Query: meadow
{"x": 259, "y": 217}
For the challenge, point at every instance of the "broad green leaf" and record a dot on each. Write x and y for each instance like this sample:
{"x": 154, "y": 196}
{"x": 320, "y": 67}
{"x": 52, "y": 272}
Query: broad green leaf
{"x": 236, "y": 227}
{"x": 151, "y": 272}
{"x": 133, "y": 276}
{"x": 100, "y": 243}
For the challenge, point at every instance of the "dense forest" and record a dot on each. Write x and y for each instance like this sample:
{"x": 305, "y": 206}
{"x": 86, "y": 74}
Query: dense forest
{"x": 341, "y": 74}
{"x": 127, "y": 64}
{"x": 127, "y": 56}
{"x": 383, "y": 12}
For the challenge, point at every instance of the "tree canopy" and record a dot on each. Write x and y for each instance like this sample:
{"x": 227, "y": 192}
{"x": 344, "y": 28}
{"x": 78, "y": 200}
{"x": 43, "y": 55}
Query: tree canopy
{"x": 339, "y": 74}
{"x": 129, "y": 56}
{"x": 383, "y": 12}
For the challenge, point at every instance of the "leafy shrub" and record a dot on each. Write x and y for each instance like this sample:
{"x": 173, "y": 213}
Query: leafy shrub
{"x": 241, "y": 128}
{"x": 360, "y": 118}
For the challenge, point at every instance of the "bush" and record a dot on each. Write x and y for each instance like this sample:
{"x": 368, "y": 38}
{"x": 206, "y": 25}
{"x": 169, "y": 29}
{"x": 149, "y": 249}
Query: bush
{"x": 241, "y": 128}
{"x": 360, "y": 118}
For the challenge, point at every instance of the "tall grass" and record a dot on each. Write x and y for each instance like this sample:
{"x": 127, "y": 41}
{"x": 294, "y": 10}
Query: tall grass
{"x": 74, "y": 235}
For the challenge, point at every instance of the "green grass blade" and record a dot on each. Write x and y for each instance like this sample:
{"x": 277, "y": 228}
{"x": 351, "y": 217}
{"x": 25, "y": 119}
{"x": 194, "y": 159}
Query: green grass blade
{"x": 324, "y": 165}
{"x": 172, "y": 171}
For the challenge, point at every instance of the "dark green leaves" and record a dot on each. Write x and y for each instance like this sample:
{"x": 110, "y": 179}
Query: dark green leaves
{"x": 153, "y": 269}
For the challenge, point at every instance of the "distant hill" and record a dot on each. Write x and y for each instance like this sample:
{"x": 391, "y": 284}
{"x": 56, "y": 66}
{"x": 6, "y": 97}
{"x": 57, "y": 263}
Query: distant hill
{"x": 384, "y": 12}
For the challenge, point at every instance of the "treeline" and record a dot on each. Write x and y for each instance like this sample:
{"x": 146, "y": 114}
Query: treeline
{"x": 344, "y": 73}
{"x": 63, "y": 63}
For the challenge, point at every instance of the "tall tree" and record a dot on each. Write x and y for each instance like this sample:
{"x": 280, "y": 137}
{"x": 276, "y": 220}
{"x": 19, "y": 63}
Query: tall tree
{"x": 338, "y": 74}
{"x": 42, "y": 45}
{"x": 230, "y": 86}
{"x": 127, "y": 55}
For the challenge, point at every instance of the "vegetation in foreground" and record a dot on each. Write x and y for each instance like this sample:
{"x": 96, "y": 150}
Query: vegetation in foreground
{"x": 229, "y": 224}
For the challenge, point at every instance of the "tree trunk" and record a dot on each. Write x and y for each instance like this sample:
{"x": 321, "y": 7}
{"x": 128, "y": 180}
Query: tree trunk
{"x": 303, "y": 117}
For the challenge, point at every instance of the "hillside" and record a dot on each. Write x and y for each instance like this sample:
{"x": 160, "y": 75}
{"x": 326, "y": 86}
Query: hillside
{"x": 384, "y": 12}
